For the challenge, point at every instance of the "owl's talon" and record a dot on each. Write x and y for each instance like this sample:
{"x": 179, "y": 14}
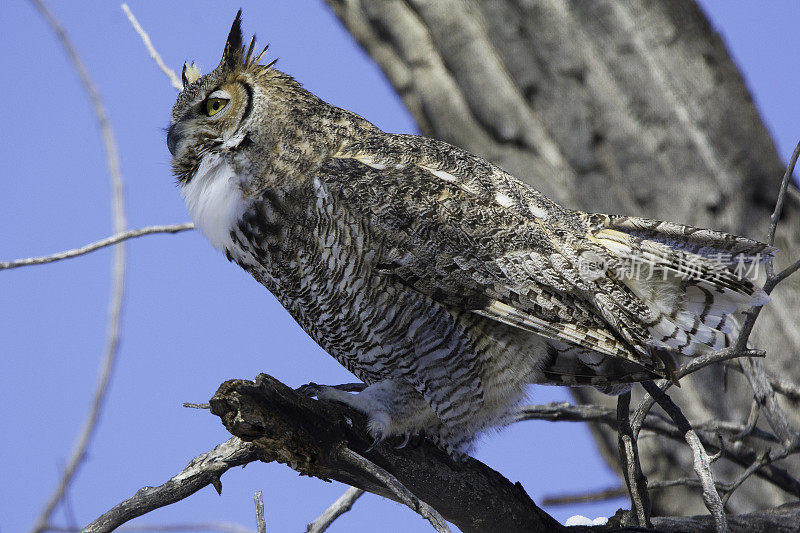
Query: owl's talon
{"x": 405, "y": 441}
{"x": 309, "y": 389}
{"x": 377, "y": 441}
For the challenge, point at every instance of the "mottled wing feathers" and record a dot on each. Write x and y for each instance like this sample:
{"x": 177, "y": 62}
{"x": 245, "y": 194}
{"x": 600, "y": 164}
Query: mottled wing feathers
{"x": 467, "y": 234}
{"x": 705, "y": 242}
{"x": 466, "y": 250}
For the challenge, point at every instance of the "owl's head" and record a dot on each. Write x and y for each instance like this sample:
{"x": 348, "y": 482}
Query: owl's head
{"x": 214, "y": 112}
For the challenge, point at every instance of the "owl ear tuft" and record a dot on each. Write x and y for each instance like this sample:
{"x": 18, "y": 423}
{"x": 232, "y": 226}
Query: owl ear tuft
{"x": 232, "y": 56}
{"x": 190, "y": 74}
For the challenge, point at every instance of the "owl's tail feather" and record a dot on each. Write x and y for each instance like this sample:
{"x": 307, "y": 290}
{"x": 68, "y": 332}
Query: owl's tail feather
{"x": 693, "y": 280}
{"x": 716, "y": 245}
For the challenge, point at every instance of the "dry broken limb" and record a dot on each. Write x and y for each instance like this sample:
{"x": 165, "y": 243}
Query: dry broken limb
{"x": 702, "y": 464}
{"x": 342, "y": 505}
{"x": 631, "y": 468}
{"x": 258, "y": 498}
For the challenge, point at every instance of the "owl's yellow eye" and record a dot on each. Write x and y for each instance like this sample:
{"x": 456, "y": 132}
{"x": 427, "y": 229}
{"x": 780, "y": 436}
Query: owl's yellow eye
{"x": 215, "y": 105}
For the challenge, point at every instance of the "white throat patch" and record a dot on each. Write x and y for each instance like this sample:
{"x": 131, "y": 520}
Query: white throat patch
{"x": 214, "y": 200}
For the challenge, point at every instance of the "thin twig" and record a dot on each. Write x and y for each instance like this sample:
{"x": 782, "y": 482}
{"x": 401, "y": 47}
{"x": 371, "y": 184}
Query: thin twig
{"x": 776, "y": 213}
{"x": 647, "y": 402}
{"x": 103, "y": 243}
{"x": 702, "y": 466}
{"x": 785, "y": 273}
{"x": 619, "y": 492}
{"x": 343, "y": 504}
{"x": 750, "y": 425}
{"x": 567, "y": 412}
{"x": 780, "y": 385}
{"x": 404, "y": 495}
{"x": 261, "y": 524}
{"x": 173, "y": 78}
{"x": 752, "y": 314}
{"x": 749, "y": 471}
{"x": 118, "y": 267}
{"x": 754, "y": 372}
{"x": 585, "y": 497}
{"x": 632, "y": 470}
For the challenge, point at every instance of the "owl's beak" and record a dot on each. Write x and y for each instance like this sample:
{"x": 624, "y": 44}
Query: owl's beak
{"x": 173, "y": 138}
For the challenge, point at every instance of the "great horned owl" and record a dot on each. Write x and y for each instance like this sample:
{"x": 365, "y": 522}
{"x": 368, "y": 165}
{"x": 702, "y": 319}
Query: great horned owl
{"x": 442, "y": 282}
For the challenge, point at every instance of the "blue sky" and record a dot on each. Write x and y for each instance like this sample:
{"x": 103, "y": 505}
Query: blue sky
{"x": 192, "y": 320}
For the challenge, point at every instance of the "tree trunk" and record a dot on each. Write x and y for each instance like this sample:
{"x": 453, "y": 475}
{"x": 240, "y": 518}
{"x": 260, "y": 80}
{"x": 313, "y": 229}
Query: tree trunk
{"x": 617, "y": 107}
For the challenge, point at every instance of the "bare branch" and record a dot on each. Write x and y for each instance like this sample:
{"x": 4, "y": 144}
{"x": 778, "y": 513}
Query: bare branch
{"x": 205, "y": 469}
{"x": 749, "y": 471}
{"x": 750, "y": 425}
{"x": 631, "y": 468}
{"x": 618, "y": 492}
{"x": 767, "y": 399}
{"x": 782, "y": 386}
{"x": 585, "y": 497}
{"x": 118, "y": 268}
{"x": 173, "y": 78}
{"x": 259, "y": 501}
{"x": 786, "y": 272}
{"x": 398, "y": 489}
{"x": 343, "y": 504}
{"x": 103, "y": 243}
{"x": 776, "y": 213}
{"x": 701, "y": 463}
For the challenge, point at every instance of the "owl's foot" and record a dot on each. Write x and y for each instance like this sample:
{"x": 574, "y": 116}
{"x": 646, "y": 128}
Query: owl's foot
{"x": 392, "y": 409}
{"x": 309, "y": 389}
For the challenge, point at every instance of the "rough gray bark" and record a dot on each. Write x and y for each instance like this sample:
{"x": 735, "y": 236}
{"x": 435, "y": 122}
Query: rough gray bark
{"x": 618, "y": 107}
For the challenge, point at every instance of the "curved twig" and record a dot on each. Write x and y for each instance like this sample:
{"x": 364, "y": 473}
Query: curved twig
{"x": 118, "y": 268}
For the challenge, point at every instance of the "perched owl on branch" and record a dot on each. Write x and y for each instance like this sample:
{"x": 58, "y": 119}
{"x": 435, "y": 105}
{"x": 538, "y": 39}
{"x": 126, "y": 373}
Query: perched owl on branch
{"x": 442, "y": 282}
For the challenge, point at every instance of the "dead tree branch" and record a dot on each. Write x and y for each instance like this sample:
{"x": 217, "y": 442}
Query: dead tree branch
{"x": 343, "y": 504}
{"x": 701, "y": 461}
{"x": 631, "y": 468}
{"x": 203, "y": 470}
{"x": 261, "y": 524}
